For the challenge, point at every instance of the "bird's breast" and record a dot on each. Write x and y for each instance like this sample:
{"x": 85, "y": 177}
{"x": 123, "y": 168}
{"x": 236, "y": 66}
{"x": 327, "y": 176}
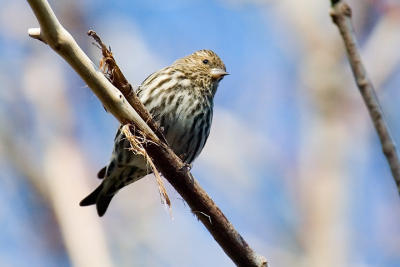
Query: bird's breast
{"x": 184, "y": 113}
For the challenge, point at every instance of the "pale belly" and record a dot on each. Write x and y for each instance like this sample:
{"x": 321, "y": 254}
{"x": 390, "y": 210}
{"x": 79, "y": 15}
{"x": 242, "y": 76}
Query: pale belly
{"x": 187, "y": 135}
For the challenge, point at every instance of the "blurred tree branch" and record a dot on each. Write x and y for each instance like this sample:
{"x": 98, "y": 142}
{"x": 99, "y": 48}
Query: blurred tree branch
{"x": 341, "y": 16}
{"x": 173, "y": 169}
{"x": 57, "y": 190}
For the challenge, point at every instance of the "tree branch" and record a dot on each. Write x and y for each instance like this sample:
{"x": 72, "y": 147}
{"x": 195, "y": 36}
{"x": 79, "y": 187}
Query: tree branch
{"x": 341, "y": 16}
{"x": 53, "y": 33}
{"x": 172, "y": 168}
{"x": 117, "y": 78}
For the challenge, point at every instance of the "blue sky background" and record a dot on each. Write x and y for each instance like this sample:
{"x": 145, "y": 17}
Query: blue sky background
{"x": 263, "y": 164}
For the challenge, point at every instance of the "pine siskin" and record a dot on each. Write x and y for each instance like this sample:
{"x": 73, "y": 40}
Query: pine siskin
{"x": 180, "y": 99}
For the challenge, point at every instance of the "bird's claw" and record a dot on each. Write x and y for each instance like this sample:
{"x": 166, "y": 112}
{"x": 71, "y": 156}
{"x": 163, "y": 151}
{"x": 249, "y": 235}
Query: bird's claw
{"x": 186, "y": 167}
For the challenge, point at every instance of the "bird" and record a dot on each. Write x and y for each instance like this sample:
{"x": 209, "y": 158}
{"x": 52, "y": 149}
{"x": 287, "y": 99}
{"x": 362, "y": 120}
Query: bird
{"x": 180, "y": 98}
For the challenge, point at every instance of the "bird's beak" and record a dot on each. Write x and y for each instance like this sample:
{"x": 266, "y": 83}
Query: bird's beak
{"x": 218, "y": 74}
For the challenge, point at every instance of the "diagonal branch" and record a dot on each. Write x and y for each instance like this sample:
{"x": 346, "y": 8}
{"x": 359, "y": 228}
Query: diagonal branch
{"x": 117, "y": 78}
{"x": 172, "y": 168}
{"x": 341, "y": 16}
{"x": 61, "y": 41}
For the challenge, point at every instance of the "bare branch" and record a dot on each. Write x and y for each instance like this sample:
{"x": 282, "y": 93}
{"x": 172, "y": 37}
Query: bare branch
{"x": 173, "y": 169}
{"x": 53, "y": 33}
{"x": 117, "y": 78}
{"x": 341, "y": 16}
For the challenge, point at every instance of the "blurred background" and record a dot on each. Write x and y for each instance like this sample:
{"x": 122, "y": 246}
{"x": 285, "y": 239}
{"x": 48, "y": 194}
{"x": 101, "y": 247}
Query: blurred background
{"x": 292, "y": 159}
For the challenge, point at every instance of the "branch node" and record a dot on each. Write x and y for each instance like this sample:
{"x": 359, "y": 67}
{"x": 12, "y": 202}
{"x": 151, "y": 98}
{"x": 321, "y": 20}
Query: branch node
{"x": 339, "y": 11}
{"x": 35, "y": 33}
{"x": 346, "y": 10}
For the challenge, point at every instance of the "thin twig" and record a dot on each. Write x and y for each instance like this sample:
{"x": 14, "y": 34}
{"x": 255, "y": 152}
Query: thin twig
{"x": 117, "y": 78}
{"x": 170, "y": 165}
{"x": 208, "y": 216}
{"x": 341, "y": 16}
{"x": 137, "y": 146}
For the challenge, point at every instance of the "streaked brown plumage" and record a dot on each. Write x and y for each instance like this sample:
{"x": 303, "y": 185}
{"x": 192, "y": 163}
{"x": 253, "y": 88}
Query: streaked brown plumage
{"x": 180, "y": 99}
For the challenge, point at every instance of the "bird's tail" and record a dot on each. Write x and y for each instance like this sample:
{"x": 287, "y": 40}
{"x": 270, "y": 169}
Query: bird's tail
{"x": 98, "y": 197}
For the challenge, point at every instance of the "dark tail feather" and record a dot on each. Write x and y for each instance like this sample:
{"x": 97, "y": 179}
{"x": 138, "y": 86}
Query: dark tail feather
{"x": 102, "y": 173}
{"x": 91, "y": 199}
{"x": 102, "y": 204}
{"x": 99, "y": 198}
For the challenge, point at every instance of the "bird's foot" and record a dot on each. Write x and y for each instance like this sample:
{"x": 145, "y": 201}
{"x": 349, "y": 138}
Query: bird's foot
{"x": 186, "y": 167}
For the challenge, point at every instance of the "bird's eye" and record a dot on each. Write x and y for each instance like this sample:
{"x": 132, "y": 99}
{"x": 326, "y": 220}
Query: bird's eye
{"x": 205, "y": 61}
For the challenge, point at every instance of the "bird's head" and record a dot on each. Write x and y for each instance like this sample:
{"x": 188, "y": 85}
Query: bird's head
{"x": 205, "y": 66}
